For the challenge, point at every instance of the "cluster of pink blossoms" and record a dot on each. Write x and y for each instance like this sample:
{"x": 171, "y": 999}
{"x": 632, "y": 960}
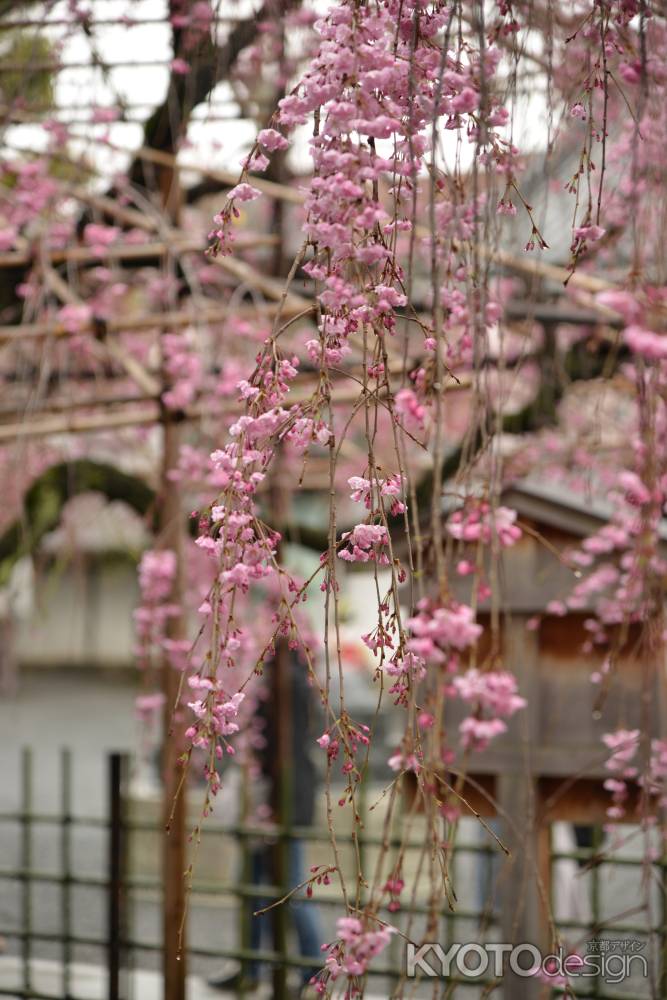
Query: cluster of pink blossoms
{"x": 478, "y": 521}
{"x": 356, "y": 947}
{"x": 241, "y": 548}
{"x": 636, "y": 312}
{"x": 365, "y": 543}
{"x": 620, "y": 590}
{"x": 405, "y": 667}
{"x": 437, "y": 635}
{"x": 494, "y": 695}
{"x": 655, "y": 781}
{"x": 157, "y": 570}
{"x": 156, "y": 575}
{"x": 623, "y": 745}
{"x": 184, "y": 369}
{"x": 75, "y": 316}
{"x": 410, "y": 410}
{"x": 216, "y": 716}
{"x": 393, "y": 487}
{"x": 378, "y": 92}
{"x": 27, "y": 191}
{"x": 99, "y": 238}
{"x": 439, "y": 631}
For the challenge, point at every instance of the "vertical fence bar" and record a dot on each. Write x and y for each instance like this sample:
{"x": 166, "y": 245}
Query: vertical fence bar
{"x": 282, "y": 687}
{"x": 26, "y": 867}
{"x": 66, "y": 867}
{"x": 595, "y": 895}
{"x": 663, "y": 922}
{"x": 115, "y": 890}
{"x": 247, "y": 904}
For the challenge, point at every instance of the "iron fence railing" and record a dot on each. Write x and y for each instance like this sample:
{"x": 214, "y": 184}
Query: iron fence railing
{"x": 118, "y": 885}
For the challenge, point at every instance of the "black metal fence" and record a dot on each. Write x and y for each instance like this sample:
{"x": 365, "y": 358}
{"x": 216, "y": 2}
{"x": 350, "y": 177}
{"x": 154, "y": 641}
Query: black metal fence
{"x": 29, "y": 876}
{"x": 120, "y": 947}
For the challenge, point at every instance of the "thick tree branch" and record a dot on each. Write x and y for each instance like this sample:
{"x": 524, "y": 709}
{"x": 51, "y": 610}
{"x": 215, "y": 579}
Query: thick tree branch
{"x": 210, "y": 64}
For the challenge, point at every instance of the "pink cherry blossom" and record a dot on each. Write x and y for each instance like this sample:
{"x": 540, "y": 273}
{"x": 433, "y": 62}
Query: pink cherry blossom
{"x": 244, "y": 192}
{"x": 270, "y": 139}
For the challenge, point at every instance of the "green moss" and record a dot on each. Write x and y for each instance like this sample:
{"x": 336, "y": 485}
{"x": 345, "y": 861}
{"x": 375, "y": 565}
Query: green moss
{"x": 32, "y": 86}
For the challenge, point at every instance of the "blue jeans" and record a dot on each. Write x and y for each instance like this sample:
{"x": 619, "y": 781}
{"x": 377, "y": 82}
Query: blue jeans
{"x": 305, "y": 915}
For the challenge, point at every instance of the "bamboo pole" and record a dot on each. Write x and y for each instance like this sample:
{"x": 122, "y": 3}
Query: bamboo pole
{"x": 226, "y": 177}
{"x": 273, "y": 287}
{"x": 48, "y": 406}
{"x": 109, "y": 206}
{"x": 134, "y": 368}
{"x": 52, "y": 425}
{"x": 213, "y": 316}
{"x": 46, "y": 424}
{"x": 128, "y": 251}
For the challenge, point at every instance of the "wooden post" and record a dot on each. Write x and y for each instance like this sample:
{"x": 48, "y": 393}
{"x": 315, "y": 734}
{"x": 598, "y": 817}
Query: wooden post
{"x": 116, "y": 901}
{"x": 523, "y": 918}
{"x": 174, "y": 805}
{"x": 281, "y": 689}
{"x": 282, "y": 681}
{"x": 282, "y": 761}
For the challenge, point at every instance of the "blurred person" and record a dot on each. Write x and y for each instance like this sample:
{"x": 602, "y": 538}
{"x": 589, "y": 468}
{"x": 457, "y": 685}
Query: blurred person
{"x": 299, "y": 804}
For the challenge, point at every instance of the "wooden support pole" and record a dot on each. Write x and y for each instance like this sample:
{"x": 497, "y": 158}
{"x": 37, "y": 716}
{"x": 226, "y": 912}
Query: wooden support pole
{"x": 523, "y": 916}
{"x": 281, "y": 684}
{"x": 281, "y": 690}
{"x": 174, "y": 802}
{"x": 172, "y": 536}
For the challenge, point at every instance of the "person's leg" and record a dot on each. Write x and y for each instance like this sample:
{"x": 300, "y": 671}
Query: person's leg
{"x": 258, "y": 871}
{"x": 247, "y": 972}
{"x": 305, "y": 914}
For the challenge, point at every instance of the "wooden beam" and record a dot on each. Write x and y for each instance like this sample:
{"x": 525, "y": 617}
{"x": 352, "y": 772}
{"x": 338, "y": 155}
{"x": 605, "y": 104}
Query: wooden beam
{"x": 211, "y": 316}
{"x": 128, "y": 251}
{"x": 226, "y": 177}
{"x": 273, "y": 287}
{"x": 17, "y": 426}
{"x": 79, "y": 423}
